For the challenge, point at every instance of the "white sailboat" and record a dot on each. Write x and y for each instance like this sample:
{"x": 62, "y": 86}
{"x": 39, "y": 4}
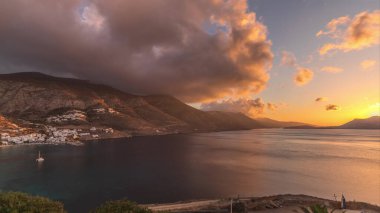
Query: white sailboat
{"x": 40, "y": 158}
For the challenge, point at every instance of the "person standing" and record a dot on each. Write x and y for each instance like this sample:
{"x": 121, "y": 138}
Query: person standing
{"x": 343, "y": 202}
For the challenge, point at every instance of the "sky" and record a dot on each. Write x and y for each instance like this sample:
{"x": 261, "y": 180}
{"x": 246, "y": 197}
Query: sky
{"x": 355, "y": 90}
{"x": 296, "y": 60}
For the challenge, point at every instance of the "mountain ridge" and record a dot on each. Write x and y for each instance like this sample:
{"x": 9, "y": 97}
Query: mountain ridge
{"x": 372, "y": 122}
{"x": 40, "y": 107}
{"x": 38, "y": 102}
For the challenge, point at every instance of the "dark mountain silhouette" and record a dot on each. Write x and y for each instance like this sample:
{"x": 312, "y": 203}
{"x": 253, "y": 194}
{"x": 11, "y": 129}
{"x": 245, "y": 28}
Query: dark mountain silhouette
{"x": 270, "y": 123}
{"x": 367, "y": 123}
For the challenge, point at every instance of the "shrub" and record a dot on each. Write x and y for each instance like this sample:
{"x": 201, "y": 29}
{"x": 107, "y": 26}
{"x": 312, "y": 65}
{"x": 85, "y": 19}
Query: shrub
{"x": 121, "y": 206}
{"x": 17, "y": 202}
{"x": 316, "y": 209}
{"x": 238, "y": 207}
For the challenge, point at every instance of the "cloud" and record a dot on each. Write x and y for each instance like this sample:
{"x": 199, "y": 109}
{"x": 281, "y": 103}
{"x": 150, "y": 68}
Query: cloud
{"x": 331, "y": 69}
{"x": 330, "y": 107}
{"x": 90, "y": 16}
{"x": 303, "y": 76}
{"x": 360, "y": 32}
{"x": 332, "y": 27}
{"x": 288, "y": 59}
{"x": 368, "y": 64}
{"x": 250, "y": 107}
{"x": 321, "y": 99}
{"x": 196, "y": 50}
{"x": 272, "y": 106}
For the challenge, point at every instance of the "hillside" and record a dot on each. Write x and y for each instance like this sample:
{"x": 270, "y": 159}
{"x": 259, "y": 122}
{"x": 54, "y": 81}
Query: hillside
{"x": 40, "y": 101}
{"x": 7, "y": 124}
{"x": 270, "y": 123}
{"x": 368, "y": 123}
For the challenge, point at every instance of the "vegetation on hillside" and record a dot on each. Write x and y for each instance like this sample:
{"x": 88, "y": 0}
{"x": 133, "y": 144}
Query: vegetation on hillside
{"x": 121, "y": 206}
{"x": 18, "y": 202}
{"x": 316, "y": 209}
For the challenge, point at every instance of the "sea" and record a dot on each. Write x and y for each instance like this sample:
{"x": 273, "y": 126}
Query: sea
{"x": 159, "y": 169}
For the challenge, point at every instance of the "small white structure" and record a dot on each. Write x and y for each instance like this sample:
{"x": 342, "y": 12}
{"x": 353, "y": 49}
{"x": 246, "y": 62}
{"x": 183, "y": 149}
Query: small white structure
{"x": 84, "y": 134}
{"x": 72, "y": 115}
{"x": 40, "y": 158}
{"x": 108, "y": 130}
{"x": 100, "y": 110}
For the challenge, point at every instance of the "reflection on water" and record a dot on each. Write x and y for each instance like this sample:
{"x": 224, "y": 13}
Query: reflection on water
{"x": 178, "y": 167}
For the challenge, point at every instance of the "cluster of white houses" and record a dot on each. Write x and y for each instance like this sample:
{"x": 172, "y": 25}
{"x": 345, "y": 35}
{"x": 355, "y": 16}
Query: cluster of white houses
{"x": 104, "y": 110}
{"x": 6, "y": 138}
{"x": 53, "y": 135}
{"x": 77, "y": 115}
{"x": 72, "y": 115}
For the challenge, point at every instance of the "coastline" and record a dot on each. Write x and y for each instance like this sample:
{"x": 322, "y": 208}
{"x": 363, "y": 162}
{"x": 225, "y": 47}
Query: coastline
{"x": 275, "y": 203}
{"x": 127, "y": 134}
{"x": 118, "y": 135}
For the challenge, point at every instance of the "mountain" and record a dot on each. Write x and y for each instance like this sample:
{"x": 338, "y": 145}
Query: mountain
{"x": 270, "y": 123}
{"x": 368, "y": 123}
{"x": 35, "y": 100}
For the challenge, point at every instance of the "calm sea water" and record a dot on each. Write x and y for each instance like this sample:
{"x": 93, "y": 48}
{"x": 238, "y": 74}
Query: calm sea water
{"x": 208, "y": 165}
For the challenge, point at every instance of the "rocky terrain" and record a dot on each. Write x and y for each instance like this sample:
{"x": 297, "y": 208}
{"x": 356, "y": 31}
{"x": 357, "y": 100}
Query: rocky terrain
{"x": 39, "y": 108}
{"x": 277, "y": 203}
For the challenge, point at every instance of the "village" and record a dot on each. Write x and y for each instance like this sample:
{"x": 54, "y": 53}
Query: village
{"x": 56, "y": 132}
{"x": 72, "y": 115}
{"x": 53, "y": 135}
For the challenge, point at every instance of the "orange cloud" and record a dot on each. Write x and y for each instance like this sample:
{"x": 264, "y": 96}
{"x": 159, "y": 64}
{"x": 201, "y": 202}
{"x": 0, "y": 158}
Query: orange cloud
{"x": 360, "y": 32}
{"x": 368, "y": 64}
{"x": 330, "y": 107}
{"x": 321, "y": 99}
{"x": 332, "y": 27}
{"x": 303, "y": 76}
{"x": 288, "y": 59}
{"x": 272, "y": 106}
{"x": 332, "y": 69}
{"x": 250, "y": 107}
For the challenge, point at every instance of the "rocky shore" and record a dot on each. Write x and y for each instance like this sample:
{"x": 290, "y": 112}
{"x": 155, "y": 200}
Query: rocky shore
{"x": 277, "y": 203}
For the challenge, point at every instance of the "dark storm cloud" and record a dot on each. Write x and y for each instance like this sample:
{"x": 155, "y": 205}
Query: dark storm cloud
{"x": 156, "y": 46}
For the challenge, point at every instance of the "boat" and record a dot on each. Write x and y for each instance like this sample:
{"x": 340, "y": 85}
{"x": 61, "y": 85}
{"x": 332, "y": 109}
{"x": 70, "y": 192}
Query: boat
{"x": 39, "y": 159}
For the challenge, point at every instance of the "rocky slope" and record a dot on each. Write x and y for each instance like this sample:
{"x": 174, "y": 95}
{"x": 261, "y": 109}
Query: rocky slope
{"x": 40, "y": 101}
{"x": 7, "y": 124}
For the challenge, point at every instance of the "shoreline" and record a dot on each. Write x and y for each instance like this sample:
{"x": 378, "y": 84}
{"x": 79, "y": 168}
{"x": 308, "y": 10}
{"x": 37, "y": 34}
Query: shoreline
{"x": 274, "y": 203}
{"x": 126, "y": 135}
